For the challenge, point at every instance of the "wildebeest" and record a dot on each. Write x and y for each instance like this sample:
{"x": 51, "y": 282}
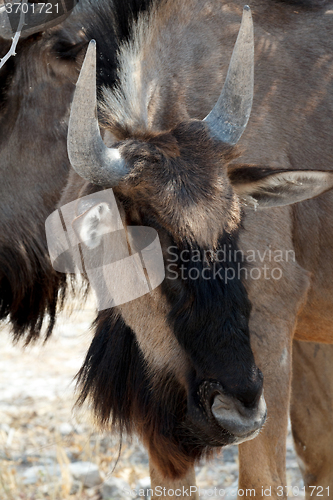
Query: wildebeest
{"x": 177, "y": 365}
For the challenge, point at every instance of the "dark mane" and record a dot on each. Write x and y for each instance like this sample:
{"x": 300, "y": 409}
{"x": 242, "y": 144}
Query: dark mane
{"x": 109, "y": 22}
{"x": 114, "y": 377}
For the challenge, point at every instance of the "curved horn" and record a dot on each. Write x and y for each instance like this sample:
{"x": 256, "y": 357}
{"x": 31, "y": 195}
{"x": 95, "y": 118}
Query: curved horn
{"x": 229, "y": 117}
{"x": 88, "y": 154}
{"x": 37, "y": 17}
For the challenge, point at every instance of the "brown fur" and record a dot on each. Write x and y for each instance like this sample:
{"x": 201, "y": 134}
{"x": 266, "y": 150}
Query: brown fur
{"x": 32, "y": 181}
{"x": 186, "y": 55}
{"x": 290, "y": 107}
{"x": 311, "y": 408}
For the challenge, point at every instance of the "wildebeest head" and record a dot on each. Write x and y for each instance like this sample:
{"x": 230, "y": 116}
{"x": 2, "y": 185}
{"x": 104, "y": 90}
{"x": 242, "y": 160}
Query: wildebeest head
{"x": 176, "y": 365}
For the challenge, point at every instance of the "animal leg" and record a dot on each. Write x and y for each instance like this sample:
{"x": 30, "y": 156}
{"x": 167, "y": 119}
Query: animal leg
{"x": 262, "y": 460}
{"x": 276, "y": 303}
{"x": 180, "y": 487}
{"x": 312, "y": 415}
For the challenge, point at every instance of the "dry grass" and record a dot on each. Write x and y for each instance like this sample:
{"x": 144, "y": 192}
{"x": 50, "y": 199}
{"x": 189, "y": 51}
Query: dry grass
{"x": 38, "y": 426}
{"x": 37, "y": 423}
{"x": 36, "y": 437}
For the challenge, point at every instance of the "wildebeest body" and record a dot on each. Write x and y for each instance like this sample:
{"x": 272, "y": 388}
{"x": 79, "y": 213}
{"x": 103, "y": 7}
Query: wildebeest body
{"x": 36, "y": 91}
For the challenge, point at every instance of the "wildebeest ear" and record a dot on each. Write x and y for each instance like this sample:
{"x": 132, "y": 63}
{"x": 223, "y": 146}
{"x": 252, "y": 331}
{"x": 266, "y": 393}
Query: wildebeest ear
{"x": 265, "y": 187}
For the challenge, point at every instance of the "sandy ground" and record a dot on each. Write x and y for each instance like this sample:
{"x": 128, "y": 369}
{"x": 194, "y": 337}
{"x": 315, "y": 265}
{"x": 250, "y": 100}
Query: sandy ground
{"x": 38, "y": 425}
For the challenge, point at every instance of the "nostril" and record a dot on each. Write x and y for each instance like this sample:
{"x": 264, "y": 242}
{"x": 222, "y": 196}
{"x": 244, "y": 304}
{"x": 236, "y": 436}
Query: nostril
{"x": 250, "y": 396}
{"x": 219, "y": 405}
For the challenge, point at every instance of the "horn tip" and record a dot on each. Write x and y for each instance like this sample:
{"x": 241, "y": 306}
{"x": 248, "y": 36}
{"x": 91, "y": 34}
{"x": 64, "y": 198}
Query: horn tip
{"x": 247, "y": 16}
{"x": 91, "y": 54}
{"x": 92, "y": 46}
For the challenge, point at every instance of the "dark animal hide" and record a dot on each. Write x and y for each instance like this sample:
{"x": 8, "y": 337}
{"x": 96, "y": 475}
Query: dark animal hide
{"x": 36, "y": 89}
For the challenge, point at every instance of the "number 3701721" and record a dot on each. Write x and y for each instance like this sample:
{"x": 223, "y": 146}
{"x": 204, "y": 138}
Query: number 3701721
{"x": 294, "y": 491}
{"x": 47, "y": 8}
